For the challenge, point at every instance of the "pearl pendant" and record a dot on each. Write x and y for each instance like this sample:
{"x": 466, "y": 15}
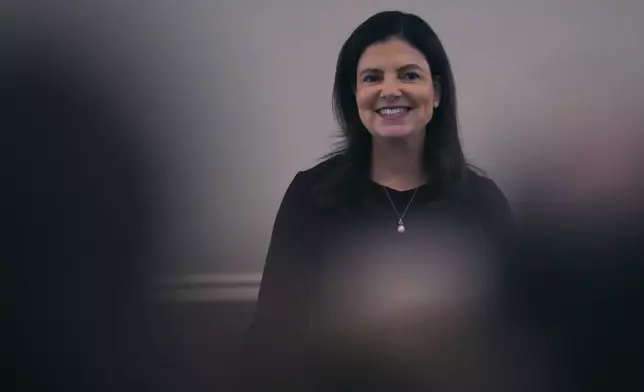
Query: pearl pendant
{"x": 401, "y": 228}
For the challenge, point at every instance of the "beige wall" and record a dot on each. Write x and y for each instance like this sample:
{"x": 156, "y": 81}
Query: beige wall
{"x": 239, "y": 94}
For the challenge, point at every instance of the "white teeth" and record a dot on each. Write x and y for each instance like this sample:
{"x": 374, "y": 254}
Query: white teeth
{"x": 392, "y": 111}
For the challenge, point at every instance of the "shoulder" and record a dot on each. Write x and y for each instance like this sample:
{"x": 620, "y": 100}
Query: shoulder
{"x": 480, "y": 187}
{"x": 321, "y": 171}
{"x": 491, "y": 209}
{"x": 485, "y": 196}
{"x": 306, "y": 182}
{"x": 311, "y": 180}
{"x": 490, "y": 204}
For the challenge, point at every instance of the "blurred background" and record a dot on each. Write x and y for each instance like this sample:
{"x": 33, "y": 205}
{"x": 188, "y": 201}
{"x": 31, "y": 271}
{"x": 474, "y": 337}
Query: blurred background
{"x": 217, "y": 104}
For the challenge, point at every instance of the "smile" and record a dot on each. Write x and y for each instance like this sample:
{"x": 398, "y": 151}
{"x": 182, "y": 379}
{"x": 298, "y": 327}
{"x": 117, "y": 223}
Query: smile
{"x": 393, "y": 112}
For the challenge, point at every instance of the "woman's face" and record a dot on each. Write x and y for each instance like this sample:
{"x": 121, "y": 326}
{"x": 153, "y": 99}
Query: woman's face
{"x": 395, "y": 93}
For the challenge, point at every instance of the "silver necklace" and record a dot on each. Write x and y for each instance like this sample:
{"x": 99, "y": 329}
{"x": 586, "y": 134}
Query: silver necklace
{"x": 401, "y": 226}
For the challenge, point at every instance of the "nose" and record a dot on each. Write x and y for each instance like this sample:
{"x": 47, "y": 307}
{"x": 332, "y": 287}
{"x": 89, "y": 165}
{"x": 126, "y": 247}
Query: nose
{"x": 390, "y": 89}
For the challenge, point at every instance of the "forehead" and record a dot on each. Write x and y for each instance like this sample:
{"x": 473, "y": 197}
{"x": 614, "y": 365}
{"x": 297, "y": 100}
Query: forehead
{"x": 392, "y": 53}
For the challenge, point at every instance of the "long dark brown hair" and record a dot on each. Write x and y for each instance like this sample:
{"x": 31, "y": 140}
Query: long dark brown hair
{"x": 444, "y": 159}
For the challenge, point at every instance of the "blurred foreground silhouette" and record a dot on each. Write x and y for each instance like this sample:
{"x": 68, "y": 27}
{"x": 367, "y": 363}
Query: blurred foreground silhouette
{"x": 75, "y": 202}
{"x": 578, "y": 276}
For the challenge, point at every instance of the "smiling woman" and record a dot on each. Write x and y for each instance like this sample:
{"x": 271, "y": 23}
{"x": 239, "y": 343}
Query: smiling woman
{"x": 395, "y": 92}
{"x": 394, "y": 206}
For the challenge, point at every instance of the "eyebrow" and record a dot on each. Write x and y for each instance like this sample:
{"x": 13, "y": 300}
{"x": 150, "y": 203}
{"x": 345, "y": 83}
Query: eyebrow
{"x": 405, "y": 67}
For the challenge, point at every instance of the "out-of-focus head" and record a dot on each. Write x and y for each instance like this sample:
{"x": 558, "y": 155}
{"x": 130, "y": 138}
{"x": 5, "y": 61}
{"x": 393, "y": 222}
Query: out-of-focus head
{"x": 406, "y": 313}
{"x": 408, "y": 300}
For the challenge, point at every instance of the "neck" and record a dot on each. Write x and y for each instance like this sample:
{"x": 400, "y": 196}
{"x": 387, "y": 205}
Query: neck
{"x": 398, "y": 163}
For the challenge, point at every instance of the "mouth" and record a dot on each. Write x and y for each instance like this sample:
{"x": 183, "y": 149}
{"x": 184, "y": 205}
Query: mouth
{"x": 393, "y": 111}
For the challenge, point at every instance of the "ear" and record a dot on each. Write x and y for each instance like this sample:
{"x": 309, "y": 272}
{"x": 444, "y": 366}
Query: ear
{"x": 438, "y": 92}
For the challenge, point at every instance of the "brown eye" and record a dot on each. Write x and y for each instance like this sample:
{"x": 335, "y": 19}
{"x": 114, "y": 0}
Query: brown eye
{"x": 370, "y": 78}
{"x": 410, "y": 76}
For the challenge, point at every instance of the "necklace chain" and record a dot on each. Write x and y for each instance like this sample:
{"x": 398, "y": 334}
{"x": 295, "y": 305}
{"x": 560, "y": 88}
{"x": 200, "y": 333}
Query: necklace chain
{"x": 400, "y": 217}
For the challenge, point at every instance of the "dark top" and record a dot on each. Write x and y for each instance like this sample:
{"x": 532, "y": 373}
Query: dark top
{"x": 326, "y": 261}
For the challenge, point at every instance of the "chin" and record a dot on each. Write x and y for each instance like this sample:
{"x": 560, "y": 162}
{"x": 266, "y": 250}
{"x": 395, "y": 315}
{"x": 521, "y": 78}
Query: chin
{"x": 394, "y": 133}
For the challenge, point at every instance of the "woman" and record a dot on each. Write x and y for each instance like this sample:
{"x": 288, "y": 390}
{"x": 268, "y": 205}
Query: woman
{"x": 392, "y": 218}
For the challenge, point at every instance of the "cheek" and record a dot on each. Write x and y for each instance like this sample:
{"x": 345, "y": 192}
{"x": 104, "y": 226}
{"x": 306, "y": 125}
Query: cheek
{"x": 365, "y": 98}
{"x": 425, "y": 101}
